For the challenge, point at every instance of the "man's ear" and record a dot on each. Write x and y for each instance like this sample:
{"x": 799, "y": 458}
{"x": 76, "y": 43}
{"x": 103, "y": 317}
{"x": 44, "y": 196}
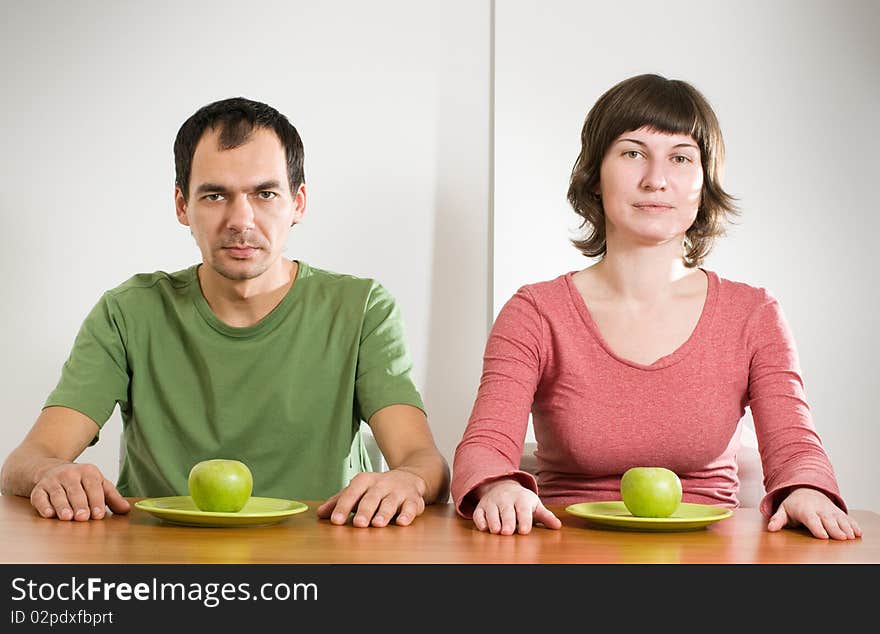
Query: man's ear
{"x": 299, "y": 204}
{"x": 180, "y": 207}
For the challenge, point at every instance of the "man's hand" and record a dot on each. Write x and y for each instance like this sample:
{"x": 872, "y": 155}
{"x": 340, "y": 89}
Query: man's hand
{"x": 817, "y": 512}
{"x": 71, "y": 491}
{"x": 506, "y": 506}
{"x": 419, "y": 475}
{"x": 42, "y": 468}
{"x": 377, "y": 498}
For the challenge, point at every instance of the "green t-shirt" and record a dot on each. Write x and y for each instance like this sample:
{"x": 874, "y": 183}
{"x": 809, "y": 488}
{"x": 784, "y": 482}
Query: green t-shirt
{"x": 285, "y": 396}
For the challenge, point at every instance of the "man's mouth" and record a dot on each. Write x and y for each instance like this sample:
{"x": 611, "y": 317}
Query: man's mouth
{"x": 241, "y": 250}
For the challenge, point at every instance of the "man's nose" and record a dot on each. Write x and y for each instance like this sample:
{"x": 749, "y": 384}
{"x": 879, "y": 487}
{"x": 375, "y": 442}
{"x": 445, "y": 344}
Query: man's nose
{"x": 240, "y": 214}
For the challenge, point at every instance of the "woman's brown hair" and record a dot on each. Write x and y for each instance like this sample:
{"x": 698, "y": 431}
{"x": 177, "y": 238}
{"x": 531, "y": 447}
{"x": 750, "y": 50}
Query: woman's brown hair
{"x": 666, "y": 105}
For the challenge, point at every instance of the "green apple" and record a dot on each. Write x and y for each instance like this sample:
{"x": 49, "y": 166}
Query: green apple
{"x": 650, "y": 491}
{"x": 220, "y": 485}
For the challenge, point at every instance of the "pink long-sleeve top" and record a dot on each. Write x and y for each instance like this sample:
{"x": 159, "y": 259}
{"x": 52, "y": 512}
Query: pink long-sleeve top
{"x": 596, "y": 414}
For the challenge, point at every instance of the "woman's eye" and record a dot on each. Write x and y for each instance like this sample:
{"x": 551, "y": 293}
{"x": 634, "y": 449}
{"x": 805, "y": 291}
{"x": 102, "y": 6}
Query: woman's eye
{"x": 631, "y": 154}
{"x": 681, "y": 159}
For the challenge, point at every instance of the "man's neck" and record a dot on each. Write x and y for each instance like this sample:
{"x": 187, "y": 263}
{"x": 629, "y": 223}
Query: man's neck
{"x": 242, "y": 303}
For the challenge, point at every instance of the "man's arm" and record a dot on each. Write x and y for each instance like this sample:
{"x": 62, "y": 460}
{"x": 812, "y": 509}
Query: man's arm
{"x": 419, "y": 474}
{"x": 42, "y": 468}
{"x": 404, "y": 438}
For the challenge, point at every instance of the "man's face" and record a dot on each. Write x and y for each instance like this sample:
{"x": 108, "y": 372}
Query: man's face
{"x": 240, "y": 207}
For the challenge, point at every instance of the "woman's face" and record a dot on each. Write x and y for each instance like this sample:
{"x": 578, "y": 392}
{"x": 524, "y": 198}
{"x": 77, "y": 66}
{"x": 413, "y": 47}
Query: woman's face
{"x": 650, "y": 183}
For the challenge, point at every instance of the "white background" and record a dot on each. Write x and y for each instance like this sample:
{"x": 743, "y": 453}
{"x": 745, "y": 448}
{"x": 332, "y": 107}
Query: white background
{"x": 420, "y": 177}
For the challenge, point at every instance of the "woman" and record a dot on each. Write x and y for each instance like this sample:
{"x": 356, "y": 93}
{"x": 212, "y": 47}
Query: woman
{"x": 644, "y": 358}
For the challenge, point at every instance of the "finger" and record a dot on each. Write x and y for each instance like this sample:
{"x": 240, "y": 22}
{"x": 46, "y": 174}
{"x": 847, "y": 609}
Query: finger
{"x": 546, "y": 517}
{"x": 523, "y": 512}
{"x": 346, "y": 501}
{"x": 409, "y": 510}
{"x": 93, "y": 487}
{"x": 814, "y": 523}
{"x": 387, "y": 509}
{"x": 508, "y": 520}
{"x": 480, "y": 519}
{"x": 366, "y": 508}
{"x": 349, "y": 498}
{"x": 778, "y": 520}
{"x": 40, "y": 501}
{"x": 58, "y": 497}
{"x": 833, "y": 528}
{"x": 493, "y": 519}
{"x": 849, "y": 526}
{"x": 327, "y": 507}
{"x": 114, "y": 499}
{"x": 79, "y": 502}
{"x": 857, "y": 531}
{"x": 846, "y": 526}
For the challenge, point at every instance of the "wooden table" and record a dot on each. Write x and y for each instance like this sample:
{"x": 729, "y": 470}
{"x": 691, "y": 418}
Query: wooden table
{"x": 437, "y": 536}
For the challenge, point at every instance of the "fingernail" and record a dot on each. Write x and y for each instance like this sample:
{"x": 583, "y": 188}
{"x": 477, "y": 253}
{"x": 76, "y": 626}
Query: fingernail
{"x": 337, "y": 517}
{"x": 360, "y": 519}
{"x": 97, "y": 511}
{"x": 379, "y": 519}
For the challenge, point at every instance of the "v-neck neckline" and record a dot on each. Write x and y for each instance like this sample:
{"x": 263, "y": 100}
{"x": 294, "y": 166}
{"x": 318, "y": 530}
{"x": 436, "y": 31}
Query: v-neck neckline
{"x": 699, "y": 332}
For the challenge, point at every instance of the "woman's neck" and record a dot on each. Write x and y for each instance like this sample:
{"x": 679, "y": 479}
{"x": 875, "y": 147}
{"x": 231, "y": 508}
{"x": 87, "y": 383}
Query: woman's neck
{"x": 642, "y": 275}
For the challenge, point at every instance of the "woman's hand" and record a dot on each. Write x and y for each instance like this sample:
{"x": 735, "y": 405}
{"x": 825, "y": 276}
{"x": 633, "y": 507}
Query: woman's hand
{"x": 817, "y": 512}
{"x": 506, "y": 506}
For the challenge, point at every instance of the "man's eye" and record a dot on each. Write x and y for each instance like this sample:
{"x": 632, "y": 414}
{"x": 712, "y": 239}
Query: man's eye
{"x": 268, "y": 195}
{"x": 214, "y": 197}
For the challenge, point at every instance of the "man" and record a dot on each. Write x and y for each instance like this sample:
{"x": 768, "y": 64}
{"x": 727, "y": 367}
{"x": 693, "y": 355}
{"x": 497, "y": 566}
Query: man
{"x": 248, "y": 356}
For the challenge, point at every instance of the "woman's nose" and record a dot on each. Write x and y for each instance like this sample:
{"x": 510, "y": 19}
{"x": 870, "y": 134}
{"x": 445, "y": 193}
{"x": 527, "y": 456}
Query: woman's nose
{"x": 654, "y": 177}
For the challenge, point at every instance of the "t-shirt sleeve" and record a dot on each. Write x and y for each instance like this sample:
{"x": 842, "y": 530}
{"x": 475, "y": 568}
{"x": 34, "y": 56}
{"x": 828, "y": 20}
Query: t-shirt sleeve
{"x": 791, "y": 450}
{"x": 492, "y": 443}
{"x": 384, "y": 366}
{"x": 95, "y": 376}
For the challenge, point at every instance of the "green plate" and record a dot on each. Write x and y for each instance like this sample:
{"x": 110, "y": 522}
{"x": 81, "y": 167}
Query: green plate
{"x": 256, "y": 512}
{"x": 615, "y": 514}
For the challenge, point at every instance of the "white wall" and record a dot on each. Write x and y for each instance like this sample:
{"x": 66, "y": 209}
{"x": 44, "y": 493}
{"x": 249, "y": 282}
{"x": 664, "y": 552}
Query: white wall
{"x": 796, "y": 86}
{"x": 391, "y": 100}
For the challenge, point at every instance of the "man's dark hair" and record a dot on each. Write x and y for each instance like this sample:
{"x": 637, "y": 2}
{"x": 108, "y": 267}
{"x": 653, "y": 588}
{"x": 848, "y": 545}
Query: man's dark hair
{"x": 236, "y": 118}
